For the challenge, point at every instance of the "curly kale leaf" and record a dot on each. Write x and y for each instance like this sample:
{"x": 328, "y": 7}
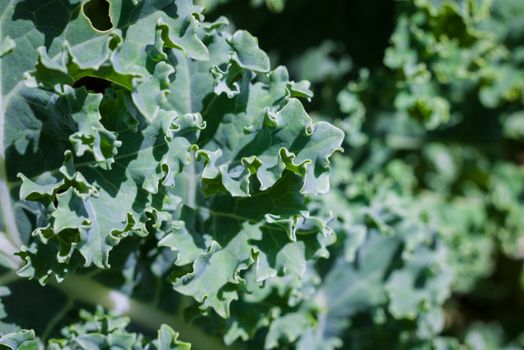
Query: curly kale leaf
{"x": 192, "y": 141}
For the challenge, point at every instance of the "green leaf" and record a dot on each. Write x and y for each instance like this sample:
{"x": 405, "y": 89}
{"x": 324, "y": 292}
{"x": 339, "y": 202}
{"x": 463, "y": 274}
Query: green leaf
{"x": 212, "y": 184}
{"x": 104, "y": 330}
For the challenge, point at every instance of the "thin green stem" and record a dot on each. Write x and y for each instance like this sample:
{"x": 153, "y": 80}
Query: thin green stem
{"x": 8, "y": 250}
{"x": 191, "y": 183}
{"x": 85, "y": 289}
{"x": 51, "y": 325}
{"x": 8, "y": 278}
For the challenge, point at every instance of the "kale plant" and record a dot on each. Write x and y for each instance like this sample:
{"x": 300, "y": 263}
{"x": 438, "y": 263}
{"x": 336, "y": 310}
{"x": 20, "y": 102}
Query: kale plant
{"x": 164, "y": 184}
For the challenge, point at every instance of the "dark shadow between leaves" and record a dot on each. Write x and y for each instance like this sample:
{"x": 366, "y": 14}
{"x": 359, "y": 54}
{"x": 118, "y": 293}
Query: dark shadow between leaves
{"x": 93, "y": 84}
{"x": 97, "y": 11}
{"x": 50, "y": 17}
{"x": 44, "y": 136}
{"x": 216, "y": 107}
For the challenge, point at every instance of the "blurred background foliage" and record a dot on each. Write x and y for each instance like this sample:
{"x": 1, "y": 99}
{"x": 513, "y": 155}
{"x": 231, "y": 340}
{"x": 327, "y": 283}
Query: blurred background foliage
{"x": 430, "y": 94}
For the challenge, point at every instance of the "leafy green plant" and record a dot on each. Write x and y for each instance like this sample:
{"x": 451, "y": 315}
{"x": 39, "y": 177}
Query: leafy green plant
{"x": 443, "y": 110}
{"x": 163, "y": 185}
{"x": 192, "y": 164}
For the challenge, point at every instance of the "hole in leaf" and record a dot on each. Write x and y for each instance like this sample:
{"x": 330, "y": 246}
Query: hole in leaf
{"x": 92, "y": 84}
{"x": 98, "y": 13}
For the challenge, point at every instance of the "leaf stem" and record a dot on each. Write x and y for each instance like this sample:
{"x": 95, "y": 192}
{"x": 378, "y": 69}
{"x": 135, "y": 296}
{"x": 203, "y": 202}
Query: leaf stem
{"x": 85, "y": 289}
{"x": 6, "y": 211}
{"x": 9, "y": 277}
{"x": 191, "y": 183}
{"x": 9, "y": 250}
{"x": 51, "y": 325}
